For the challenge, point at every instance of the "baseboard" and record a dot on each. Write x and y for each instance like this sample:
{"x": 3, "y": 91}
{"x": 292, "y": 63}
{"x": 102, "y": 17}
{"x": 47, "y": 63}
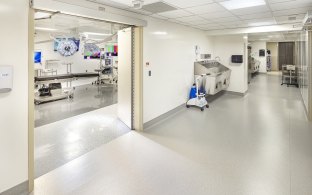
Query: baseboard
{"x": 305, "y": 108}
{"x": 236, "y": 93}
{"x": 163, "y": 117}
{"x": 20, "y": 189}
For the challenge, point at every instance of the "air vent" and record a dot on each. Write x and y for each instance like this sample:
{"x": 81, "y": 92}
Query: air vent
{"x": 292, "y": 18}
{"x": 158, "y": 7}
{"x": 102, "y": 9}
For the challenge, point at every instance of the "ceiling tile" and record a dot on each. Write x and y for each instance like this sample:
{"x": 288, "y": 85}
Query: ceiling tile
{"x": 140, "y": 11}
{"x": 208, "y": 8}
{"x": 250, "y": 10}
{"x": 189, "y": 18}
{"x": 210, "y": 27}
{"x": 220, "y": 14}
{"x": 291, "y": 4}
{"x": 256, "y": 16}
{"x": 226, "y": 19}
{"x": 159, "y": 16}
{"x": 279, "y": 1}
{"x": 286, "y": 12}
{"x": 234, "y": 24}
{"x": 261, "y": 22}
{"x": 198, "y": 22}
{"x": 187, "y": 3}
{"x": 175, "y": 14}
{"x": 285, "y": 19}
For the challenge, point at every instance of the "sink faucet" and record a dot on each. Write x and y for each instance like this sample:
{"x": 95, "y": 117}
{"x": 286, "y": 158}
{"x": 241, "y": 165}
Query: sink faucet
{"x": 217, "y": 58}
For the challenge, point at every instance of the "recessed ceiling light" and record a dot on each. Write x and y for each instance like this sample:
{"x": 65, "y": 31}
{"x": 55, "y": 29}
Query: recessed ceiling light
{"x": 39, "y": 15}
{"x": 268, "y": 23}
{"x": 100, "y": 34}
{"x": 160, "y": 33}
{"x": 45, "y": 29}
{"x": 238, "y": 4}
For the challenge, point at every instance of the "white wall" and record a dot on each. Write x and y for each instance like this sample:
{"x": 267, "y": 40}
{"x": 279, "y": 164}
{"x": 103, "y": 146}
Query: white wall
{"x": 225, "y": 47}
{"x": 171, "y": 59}
{"x": 14, "y": 105}
{"x": 255, "y": 47}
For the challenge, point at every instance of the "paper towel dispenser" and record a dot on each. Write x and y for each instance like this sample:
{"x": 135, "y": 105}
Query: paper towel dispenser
{"x": 6, "y": 79}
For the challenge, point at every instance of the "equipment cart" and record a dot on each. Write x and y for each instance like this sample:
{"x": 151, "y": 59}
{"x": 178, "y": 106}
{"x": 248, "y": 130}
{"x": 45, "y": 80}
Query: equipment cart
{"x": 290, "y": 75}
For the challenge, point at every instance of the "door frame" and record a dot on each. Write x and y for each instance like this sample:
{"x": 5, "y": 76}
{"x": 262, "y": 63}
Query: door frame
{"x": 137, "y": 89}
{"x": 31, "y": 107}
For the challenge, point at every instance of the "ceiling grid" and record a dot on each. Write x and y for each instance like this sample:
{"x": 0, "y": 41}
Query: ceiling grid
{"x": 209, "y": 15}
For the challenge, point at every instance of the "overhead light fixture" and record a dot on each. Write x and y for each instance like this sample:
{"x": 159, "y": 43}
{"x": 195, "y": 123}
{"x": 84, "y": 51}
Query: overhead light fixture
{"x": 239, "y": 4}
{"x": 267, "y": 23}
{"x": 40, "y": 15}
{"x": 160, "y": 33}
{"x": 45, "y": 29}
{"x": 99, "y": 34}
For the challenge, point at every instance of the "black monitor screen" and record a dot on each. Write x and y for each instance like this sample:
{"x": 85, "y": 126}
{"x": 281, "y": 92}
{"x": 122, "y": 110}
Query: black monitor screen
{"x": 237, "y": 58}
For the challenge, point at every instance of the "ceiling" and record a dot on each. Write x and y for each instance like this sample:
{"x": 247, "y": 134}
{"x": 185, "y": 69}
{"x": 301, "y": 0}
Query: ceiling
{"x": 211, "y": 15}
{"x": 65, "y": 24}
{"x": 275, "y": 36}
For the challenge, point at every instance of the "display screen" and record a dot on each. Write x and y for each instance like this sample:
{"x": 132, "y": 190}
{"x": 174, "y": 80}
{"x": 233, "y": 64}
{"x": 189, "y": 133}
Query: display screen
{"x": 237, "y": 58}
{"x": 56, "y": 43}
{"x": 261, "y": 52}
{"x": 37, "y": 57}
{"x": 111, "y": 50}
{"x": 91, "y": 51}
{"x": 108, "y": 62}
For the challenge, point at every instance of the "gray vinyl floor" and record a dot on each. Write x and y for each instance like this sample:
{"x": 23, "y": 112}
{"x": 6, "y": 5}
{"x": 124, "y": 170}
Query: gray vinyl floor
{"x": 60, "y": 142}
{"x": 260, "y": 144}
{"x": 86, "y": 98}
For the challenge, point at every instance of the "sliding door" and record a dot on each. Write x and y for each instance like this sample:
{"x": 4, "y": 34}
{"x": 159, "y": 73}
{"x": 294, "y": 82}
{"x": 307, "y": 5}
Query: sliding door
{"x": 125, "y": 76}
{"x": 285, "y": 53}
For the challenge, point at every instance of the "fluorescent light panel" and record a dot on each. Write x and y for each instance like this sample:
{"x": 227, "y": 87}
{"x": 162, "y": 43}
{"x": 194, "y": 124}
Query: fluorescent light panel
{"x": 160, "y": 33}
{"x": 238, "y": 4}
{"x": 45, "y": 29}
{"x": 39, "y": 15}
{"x": 100, "y": 34}
{"x": 267, "y": 23}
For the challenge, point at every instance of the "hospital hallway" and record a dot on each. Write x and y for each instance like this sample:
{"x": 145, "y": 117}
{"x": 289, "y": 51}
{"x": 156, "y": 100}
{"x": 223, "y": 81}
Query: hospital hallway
{"x": 259, "y": 144}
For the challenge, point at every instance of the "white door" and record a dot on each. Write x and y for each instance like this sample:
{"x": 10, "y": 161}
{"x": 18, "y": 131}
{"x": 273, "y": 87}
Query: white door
{"x": 124, "y": 76}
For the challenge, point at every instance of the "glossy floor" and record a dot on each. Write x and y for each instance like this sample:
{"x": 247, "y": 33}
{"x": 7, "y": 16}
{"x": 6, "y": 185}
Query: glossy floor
{"x": 258, "y": 144}
{"x": 86, "y": 98}
{"x": 62, "y": 141}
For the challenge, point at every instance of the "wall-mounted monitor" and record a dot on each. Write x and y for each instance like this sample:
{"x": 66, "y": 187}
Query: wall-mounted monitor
{"x": 91, "y": 51}
{"x": 37, "y": 57}
{"x": 205, "y": 56}
{"x": 237, "y": 59}
{"x": 261, "y": 52}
